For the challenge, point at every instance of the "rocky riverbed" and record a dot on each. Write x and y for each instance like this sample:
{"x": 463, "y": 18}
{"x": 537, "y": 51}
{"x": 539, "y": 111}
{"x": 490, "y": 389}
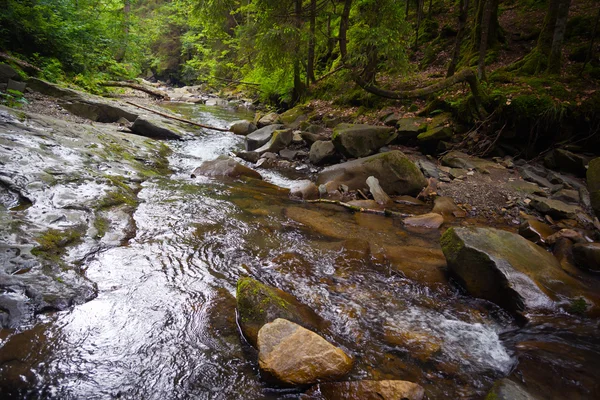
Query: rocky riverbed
{"x": 363, "y": 265}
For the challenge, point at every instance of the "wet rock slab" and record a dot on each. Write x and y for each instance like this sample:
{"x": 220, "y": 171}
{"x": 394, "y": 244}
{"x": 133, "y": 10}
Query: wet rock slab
{"x": 366, "y": 390}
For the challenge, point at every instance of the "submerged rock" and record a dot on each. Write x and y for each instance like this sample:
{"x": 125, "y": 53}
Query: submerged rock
{"x": 259, "y": 304}
{"x": 260, "y": 137}
{"x": 296, "y": 356}
{"x": 505, "y": 389}
{"x": 507, "y": 269}
{"x": 225, "y": 166}
{"x": 361, "y": 140}
{"x": 429, "y": 221}
{"x": 395, "y": 172}
{"x": 535, "y": 231}
{"x": 305, "y": 190}
{"x": 367, "y": 390}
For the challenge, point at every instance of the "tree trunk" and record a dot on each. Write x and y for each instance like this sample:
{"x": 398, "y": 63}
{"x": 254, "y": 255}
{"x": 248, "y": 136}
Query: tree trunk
{"x": 429, "y": 10}
{"x": 297, "y": 92}
{"x": 554, "y": 61}
{"x": 591, "y": 46}
{"x": 483, "y": 40}
{"x": 462, "y": 20}
{"x": 159, "y": 94}
{"x": 407, "y": 7}
{"x": 419, "y": 17}
{"x": 493, "y": 26}
{"x": 126, "y": 21}
{"x": 310, "y": 69}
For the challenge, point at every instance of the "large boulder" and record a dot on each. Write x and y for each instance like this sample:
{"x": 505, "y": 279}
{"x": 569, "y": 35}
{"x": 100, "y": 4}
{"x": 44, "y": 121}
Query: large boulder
{"x": 292, "y": 118}
{"x": 260, "y": 137}
{"x": 154, "y": 129}
{"x": 361, "y": 140}
{"x": 593, "y": 183}
{"x": 410, "y": 128}
{"x": 567, "y": 161}
{"x": 259, "y": 304}
{"x": 225, "y": 166}
{"x": 322, "y": 151}
{"x": 505, "y": 389}
{"x": 279, "y": 141}
{"x": 7, "y": 72}
{"x": 296, "y": 356}
{"x": 397, "y": 174}
{"x": 242, "y": 127}
{"x": 367, "y": 390}
{"x": 507, "y": 269}
{"x": 587, "y": 256}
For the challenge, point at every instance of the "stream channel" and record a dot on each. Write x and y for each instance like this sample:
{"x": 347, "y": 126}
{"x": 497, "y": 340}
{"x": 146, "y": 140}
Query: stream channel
{"x": 153, "y": 331}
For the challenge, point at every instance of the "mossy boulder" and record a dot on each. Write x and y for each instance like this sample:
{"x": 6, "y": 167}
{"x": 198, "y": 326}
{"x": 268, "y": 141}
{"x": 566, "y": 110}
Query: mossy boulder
{"x": 410, "y": 128}
{"x": 435, "y": 134}
{"x": 509, "y": 270}
{"x": 359, "y": 140}
{"x": 293, "y": 117}
{"x": 269, "y": 119}
{"x": 259, "y": 304}
{"x": 279, "y": 141}
{"x": 593, "y": 183}
{"x": 261, "y": 136}
{"x": 397, "y": 174}
{"x": 7, "y": 72}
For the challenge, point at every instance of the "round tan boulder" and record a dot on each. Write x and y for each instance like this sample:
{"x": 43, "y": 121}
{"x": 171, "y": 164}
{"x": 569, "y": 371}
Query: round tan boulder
{"x": 296, "y": 356}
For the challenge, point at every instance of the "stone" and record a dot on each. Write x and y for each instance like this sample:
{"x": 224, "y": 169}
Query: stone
{"x": 279, "y": 141}
{"x": 457, "y": 159}
{"x": 311, "y": 138}
{"x": 408, "y": 200}
{"x": 225, "y": 166}
{"x": 570, "y": 234}
{"x": 418, "y": 263}
{"x": 587, "y": 256}
{"x": 304, "y": 190}
{"x": 567, "y": 161}
{"x": 260, "y": 137}
{"x": 288, "y": 154}
{"x": 250, "y": 156}
{"x": 391, "y": 119}
{"x": 292, "y": 118}
{"x": 367, "y": 390}
{"x": 259, "y": 304}
{"x": 297, "y": 137}
{"x": 445, "y": 205}
{"x": 153, "y": 129}
{"x": 457, "y": 173}
{"x": 53, "y": 90}
{"x": 379, "y": 195}
{"x": 361, "y": 140}
{"x": 7, "y": 72}
{"x": 428, "y": 221}
{"x": 16, "y": 85}
{"x": 322, "y": 152}
{"x": 567, "y": 196}
{"x": 508, "y": 270}
{"x": 593, "y": 184}
{"x": 436, "y": 134}
{"x": 396, "y": 173}
{"x": 422, "y": 345}
{"x": 242, "y": 127}
{"x": 410, "y": 128}
{"x": 296, "y": 356}
{"x": 535, "y": 231}
{"x": 269, "y": 119}
{"x": 505, "y": 389}
{"x": 529, "y": 174}
{"x": 429, "y": 169}
{"x": 554, "y": 208}
{"x": 526, "y": 188}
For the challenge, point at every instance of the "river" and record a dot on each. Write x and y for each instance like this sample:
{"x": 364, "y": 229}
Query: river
{"x": 150, "y": 333}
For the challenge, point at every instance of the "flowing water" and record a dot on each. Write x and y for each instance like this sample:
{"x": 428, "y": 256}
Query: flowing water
{"x": 151, "y": 331}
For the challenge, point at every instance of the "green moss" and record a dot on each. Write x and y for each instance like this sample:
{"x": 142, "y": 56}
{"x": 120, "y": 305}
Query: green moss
{"x": 578, "y": 306}
{"x": 101, "y": 224}
{"x": 52, "y": 244}
{"x": 116, "y": 198}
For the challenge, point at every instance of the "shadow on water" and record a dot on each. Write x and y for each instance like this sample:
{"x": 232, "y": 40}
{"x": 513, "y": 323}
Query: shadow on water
{"x": 163, "y": 324}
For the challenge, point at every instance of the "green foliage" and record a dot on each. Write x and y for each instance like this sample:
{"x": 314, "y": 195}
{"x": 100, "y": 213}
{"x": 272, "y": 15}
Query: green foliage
{"x": 12, "y": 98}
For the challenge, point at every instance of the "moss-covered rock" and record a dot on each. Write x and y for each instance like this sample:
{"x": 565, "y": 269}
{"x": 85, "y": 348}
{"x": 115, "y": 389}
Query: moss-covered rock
{"x": 410, "y": 128}
{"x": 279, "y": 141}
{"x": 292, "y": 118}
{"x": 509, "y": 270}
{"x": 361, "y": 140}
{"x": 397, "y": 174}
{"x": 259, "y": 304}
{"x": 225, "y": 166}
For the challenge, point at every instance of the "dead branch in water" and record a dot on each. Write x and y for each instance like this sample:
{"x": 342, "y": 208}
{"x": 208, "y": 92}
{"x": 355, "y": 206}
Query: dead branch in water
{"x": 179, "y": 119}
{"x": 384, "y": 212}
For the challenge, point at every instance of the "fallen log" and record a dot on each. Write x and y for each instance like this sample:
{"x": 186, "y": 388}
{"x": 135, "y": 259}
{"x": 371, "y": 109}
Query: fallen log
{"x": 385, "y": 212}
{"x": 159, "y": 94}
{"x": 178, "y": 119}
{"x": 27, "y": 67}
